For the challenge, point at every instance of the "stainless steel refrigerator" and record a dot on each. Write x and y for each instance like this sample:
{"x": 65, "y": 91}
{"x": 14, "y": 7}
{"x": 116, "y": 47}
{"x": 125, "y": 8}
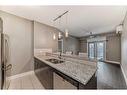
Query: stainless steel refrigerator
{"x": 5, "y": 66}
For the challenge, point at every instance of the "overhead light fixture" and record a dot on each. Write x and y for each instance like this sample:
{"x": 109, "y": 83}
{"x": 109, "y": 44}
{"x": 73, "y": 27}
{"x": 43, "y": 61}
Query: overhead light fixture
{"x": 66, "y": 33}
{"x": 66, "y": 29}
{"x": 60, "y": 36}
{"x": 54, "y": 36}
{"x": 91, "y": 35}
{"x": 119, "y": 29}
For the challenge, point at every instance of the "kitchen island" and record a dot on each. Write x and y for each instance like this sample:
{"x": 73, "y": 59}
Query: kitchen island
{"x": 80, "y": 73}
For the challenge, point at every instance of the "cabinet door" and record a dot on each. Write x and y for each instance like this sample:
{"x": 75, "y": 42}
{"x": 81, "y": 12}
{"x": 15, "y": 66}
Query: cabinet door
{"x": 60, "y": 83}
{"x": 68, "y": 85}
{"x": 57, "y": 82}
{"x": 44, "y": 73}
{"x": 45, "y": 77}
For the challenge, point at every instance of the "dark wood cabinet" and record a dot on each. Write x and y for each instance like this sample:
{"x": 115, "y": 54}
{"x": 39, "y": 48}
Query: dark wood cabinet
{"x": 92, "y": 83}
{"x": 44, "y": 73}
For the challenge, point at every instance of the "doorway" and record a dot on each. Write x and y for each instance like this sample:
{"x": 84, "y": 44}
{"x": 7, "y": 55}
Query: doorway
{"x": 60, "y": 45}
{"x": 96, "y": 50}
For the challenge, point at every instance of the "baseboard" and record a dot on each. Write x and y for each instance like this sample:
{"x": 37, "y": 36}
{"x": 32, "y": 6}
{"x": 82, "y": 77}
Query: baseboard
{"x": 20, "y": 75}
{"x": 114, "y": 62}
{"x": 124, "y": 74}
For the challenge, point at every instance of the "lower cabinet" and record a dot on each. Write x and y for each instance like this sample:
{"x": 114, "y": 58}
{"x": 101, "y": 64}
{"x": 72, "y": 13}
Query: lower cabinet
{"x": 44, "y": 74}
{"x": 92, "y": 83}
{"x": 60, "y": 83}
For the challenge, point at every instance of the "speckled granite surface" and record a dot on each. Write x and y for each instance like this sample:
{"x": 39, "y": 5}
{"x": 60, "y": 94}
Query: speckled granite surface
{"x": 79, "y": 70}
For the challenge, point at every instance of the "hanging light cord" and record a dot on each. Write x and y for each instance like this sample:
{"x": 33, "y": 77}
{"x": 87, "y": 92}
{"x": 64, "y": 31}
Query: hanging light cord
{"x": 66, "y": 20}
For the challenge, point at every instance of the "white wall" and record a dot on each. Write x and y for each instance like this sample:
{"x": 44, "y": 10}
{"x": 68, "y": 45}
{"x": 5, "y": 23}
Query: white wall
{"x": 124, "y": 48}
{"x": 20, "y": 34}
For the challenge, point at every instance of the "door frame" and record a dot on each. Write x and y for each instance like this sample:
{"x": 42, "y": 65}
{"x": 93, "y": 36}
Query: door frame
{"x": 61, "y": 40}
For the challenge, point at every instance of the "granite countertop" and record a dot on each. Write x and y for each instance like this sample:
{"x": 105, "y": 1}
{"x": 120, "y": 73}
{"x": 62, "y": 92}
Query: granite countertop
{"x": 79, "y": 70}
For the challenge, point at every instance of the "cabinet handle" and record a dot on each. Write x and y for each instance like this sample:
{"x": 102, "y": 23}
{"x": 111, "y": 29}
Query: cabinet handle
{"x": 8, "y": 67}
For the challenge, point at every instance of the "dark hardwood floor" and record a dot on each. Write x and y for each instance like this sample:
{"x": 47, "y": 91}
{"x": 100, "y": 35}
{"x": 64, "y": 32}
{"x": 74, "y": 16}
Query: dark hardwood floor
{"x": 109, "y": 76}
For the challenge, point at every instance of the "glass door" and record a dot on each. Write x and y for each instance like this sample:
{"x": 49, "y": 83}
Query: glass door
{"x": 100, "y": 50}
{"x": 91, "y": 50}
{"x": 96, "y": 50}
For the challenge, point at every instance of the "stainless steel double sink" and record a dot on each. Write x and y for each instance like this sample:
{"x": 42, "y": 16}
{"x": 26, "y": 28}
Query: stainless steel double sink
{"x": 55, "y": 61}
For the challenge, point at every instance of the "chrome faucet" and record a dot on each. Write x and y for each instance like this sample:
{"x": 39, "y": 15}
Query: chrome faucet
{"x": 60, "y": 55}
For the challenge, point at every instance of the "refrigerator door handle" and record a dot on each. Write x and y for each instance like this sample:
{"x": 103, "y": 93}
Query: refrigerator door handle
{"x": 8, "y": 67}
{"x": 7, "y": 51}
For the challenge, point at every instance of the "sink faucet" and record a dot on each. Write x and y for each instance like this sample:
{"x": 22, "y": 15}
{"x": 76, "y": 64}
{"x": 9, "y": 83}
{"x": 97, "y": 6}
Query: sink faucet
{"x": 60, "y": 55}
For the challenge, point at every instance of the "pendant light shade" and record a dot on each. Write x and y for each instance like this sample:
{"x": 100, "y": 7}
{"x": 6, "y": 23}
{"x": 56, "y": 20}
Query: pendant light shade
{"x": 54, "y": 36}
{"x": 66, "y": 29}
{"x": 119, "y": 29}
{"x": 59, "y": 35}
{"x": 66, "y": 33}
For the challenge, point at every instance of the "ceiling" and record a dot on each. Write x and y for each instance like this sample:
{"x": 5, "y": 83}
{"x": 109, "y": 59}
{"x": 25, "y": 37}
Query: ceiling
{"x": 81, "y": 19}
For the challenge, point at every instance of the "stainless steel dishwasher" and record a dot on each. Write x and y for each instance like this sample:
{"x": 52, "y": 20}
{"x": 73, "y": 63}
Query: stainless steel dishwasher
{"x": 61, "y": 83}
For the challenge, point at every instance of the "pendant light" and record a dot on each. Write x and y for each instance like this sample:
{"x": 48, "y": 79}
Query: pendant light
{"x": 54, "y": 35}
{"x": 60, "y": 35}
{"x": 66, "y": 33}
{"x": 66, "y": 29}
{"x": 119, "y": 29}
